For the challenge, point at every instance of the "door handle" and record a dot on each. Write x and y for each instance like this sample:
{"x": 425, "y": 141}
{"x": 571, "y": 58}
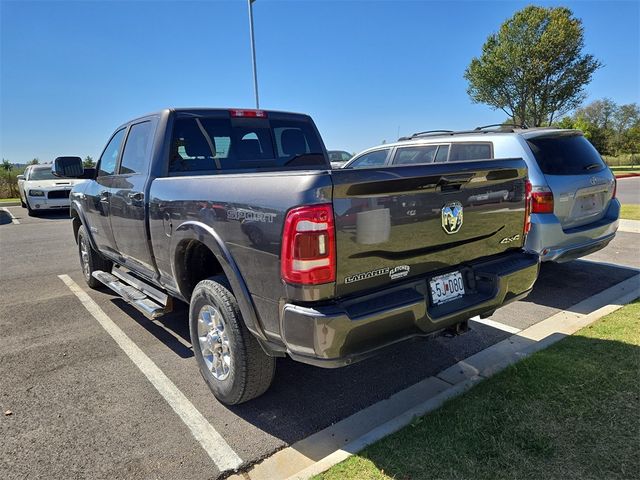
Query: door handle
{"x": 137, "y": 196}
{"x": 104, "y": 196}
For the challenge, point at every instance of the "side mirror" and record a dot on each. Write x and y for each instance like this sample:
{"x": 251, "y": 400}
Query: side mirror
{"x": 20, "y": 177}
{"x": 68, "y": 167}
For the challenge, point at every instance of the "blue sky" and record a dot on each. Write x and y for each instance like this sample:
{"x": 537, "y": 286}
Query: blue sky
{"x": 365, "y": 70}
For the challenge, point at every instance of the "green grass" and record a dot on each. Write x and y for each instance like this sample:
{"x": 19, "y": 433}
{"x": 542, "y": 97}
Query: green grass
{"x": 630, "y": 212}
{"x": 7, "y": 200}
{"x": 568, "y": 412}
{"x": 623, "y": 159}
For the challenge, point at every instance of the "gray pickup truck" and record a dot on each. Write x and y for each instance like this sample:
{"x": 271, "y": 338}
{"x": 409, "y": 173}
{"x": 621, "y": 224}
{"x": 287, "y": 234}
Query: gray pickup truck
{"x": 238, "y": 213}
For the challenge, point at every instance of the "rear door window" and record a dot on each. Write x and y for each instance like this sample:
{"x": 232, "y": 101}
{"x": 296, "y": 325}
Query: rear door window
{"x": 415, "y": 155}
{"x": 443, "y": 153}
{"x": 565, "y": 155}
{"x": 461, "y": 152}
{"x": 137, "y": 149}
{"x": 376, "y": 158}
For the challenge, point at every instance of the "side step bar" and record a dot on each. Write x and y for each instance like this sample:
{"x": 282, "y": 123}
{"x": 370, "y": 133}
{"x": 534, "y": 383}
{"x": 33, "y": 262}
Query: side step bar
{"x": 139, "y": 295}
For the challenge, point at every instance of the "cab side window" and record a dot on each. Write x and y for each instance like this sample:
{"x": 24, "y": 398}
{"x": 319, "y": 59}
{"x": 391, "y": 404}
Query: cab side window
{"x": 137, "y": 149}
{"x": 109, "y": 159}
{"x": 376, "y": 158}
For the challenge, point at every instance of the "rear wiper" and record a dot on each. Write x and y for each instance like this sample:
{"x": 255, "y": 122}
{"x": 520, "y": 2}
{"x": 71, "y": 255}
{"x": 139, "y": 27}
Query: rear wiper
{"x": 592, "y": 166}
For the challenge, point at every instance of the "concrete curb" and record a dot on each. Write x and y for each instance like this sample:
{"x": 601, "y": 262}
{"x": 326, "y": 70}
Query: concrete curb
{"x": 10, "y": 204}
{"x": 630, "y": 226}
{"x": 320, "y": 451}
{"x": 627, "y": 175}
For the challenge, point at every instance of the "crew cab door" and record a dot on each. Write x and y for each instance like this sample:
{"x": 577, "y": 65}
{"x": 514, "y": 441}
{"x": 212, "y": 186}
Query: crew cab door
{"x": 97, "y": 195}
{"x": 127, "y": 204}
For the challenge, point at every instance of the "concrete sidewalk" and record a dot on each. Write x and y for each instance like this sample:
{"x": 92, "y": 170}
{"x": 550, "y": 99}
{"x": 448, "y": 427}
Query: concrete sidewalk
{"x": 631, "y": 226}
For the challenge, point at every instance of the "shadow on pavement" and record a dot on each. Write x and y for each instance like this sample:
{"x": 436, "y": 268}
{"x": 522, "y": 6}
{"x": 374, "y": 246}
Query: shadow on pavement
{"x": 562, "y": 285}
{"x": 304, "y": 399}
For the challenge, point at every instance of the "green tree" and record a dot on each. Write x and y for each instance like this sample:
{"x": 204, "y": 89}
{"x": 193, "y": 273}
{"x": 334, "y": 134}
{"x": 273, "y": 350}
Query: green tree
{"x": 533, "y": 68}
{"x": 6, "y": 165}
{"x": 34, "y": 161}
{"x": 88, "y": 162}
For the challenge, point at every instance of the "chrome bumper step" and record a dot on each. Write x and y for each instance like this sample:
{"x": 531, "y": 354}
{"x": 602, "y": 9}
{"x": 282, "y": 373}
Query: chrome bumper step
{"x": 137, "y": 295}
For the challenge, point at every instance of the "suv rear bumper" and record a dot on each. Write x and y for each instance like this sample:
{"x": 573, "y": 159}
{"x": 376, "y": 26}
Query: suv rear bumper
{"x": 553, "y": 243}
{"x": 347, "y": 331}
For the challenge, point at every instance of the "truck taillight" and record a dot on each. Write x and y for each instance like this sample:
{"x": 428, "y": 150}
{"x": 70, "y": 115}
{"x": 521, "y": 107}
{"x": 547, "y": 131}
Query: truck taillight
{"x": 308, "y": 246}
{"x": 541, "y": 201}
{"x": 248, "y": 113}
{"x": 527, "y": 207}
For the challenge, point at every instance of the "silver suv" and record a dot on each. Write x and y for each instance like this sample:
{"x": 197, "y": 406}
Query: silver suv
{"x": 574, "y": 211}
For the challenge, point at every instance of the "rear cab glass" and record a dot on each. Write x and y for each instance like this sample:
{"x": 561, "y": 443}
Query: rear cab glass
{"x": 570, "y": 154}
{"x": 210, "y": 143}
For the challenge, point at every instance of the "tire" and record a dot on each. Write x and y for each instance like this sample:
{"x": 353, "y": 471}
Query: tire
{"x": 22, "y": 204}
{"x": 90, "y": 260}
{"x": 229, "y": 358}
{"x": 30, "y": 211}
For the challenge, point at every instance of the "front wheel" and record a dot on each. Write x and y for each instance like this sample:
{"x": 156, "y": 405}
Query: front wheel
{"x": 90, "y": 260}
{"x": 230, "y": 359}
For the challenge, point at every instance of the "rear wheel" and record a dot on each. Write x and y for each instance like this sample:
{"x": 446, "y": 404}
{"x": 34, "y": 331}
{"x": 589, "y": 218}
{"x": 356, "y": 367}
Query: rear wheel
{"x": 90, "y": 260}
{"x": 230, "y": 359}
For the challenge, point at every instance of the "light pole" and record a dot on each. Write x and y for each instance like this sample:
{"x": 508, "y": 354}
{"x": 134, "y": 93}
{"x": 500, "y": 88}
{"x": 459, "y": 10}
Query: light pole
{"x": 253, "y": 52}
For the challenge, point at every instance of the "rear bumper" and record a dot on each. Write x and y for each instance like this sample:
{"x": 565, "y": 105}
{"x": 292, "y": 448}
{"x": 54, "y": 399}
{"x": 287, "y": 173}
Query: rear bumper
{"x": 352, "y": 329}
{"x": 553, "y": 243}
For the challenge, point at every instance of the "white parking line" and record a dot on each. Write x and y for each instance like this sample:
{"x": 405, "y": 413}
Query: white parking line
{"x": 14, "y": 220}
{"x": 494, "y": 324}
{"x": 220, "y": 452}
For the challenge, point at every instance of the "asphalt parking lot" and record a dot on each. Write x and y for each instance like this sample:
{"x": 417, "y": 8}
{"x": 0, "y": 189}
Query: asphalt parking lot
{"x": 82, "y": 409}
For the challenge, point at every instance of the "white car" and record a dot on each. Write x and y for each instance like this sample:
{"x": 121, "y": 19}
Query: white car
{"x": 41, "y": 190}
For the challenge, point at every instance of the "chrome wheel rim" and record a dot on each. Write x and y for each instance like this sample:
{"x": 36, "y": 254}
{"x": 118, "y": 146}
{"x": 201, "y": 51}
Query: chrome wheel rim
{"x": 84, "y": 257}
{"x": 214, "y": 342}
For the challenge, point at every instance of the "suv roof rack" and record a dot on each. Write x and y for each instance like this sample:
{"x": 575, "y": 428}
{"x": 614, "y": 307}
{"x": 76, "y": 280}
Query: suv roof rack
{"x": 425, "y": 134}
{"x": 502, "y": 127}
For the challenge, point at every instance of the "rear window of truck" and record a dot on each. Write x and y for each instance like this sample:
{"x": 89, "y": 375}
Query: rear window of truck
{"x": 207, "y": 145}
{"x": 565, "y": 155}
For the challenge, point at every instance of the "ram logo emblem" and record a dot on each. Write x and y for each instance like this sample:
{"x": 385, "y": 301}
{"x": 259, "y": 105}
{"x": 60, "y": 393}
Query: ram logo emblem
{"x": 452, "y": 217}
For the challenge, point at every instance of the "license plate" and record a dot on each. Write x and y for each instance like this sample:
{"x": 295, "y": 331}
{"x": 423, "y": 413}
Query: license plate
{"x": 447, "y": 287}
{"x": 590, "y": 204}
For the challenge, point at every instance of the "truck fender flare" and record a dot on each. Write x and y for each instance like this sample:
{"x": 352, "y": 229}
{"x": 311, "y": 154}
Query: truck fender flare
{"x": 193, "y": 230}
{"x": 75, "y": 207}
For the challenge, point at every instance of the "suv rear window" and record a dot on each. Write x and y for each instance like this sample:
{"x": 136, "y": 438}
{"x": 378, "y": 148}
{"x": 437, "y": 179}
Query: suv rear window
{"x": 208, "y": 144}
{"x": 565, "y": 155}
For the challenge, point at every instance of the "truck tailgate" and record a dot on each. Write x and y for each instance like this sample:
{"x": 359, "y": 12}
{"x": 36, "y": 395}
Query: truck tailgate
{"x": 396, "y": 223}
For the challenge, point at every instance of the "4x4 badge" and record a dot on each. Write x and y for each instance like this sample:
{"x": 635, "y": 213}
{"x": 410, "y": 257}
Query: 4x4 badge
{"x": 452, "y": 217}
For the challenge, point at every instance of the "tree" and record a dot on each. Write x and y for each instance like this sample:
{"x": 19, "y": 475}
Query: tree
{"x": 35, "y": 161}
{"x": 533, "y": 68}
{"x": 6, "y": 165}
{"x": 88, "y": 162}
{"x": 611, "y": 128}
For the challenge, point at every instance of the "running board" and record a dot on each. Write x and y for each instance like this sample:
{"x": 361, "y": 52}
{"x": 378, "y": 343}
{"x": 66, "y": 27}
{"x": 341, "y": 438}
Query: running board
{"x": 134, "y": 296}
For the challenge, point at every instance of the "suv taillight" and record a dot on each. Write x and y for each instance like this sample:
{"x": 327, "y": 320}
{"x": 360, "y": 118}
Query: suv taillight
{"x": 308, "y": 246}
{"x": 541, "y": 201}
{"x": 615, "y": 188}
{"x": 527, "y": 206}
